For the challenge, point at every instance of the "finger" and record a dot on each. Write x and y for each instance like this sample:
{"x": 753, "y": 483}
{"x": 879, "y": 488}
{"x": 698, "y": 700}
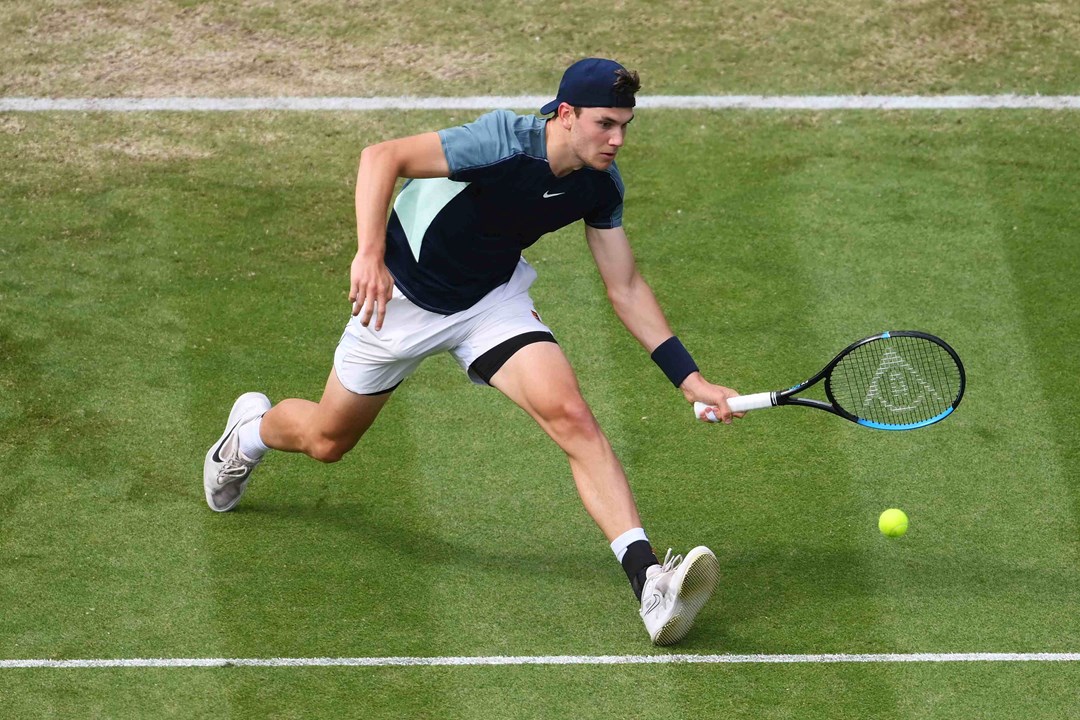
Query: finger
{"x": 706, "y": 413}
{"x": 366, "y": 311}
{"x": 381, "y": 315}
{"x": 360, "y": 305}
{"x": 354, "y": 293}
{"x": 725, "y": 412}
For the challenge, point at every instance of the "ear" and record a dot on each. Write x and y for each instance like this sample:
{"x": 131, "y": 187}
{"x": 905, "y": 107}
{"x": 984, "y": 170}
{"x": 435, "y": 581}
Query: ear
{"x": 565, "y": 113}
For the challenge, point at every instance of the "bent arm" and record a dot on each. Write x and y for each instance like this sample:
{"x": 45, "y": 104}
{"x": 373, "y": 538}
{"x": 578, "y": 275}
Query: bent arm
{"x": 417, "y": 156}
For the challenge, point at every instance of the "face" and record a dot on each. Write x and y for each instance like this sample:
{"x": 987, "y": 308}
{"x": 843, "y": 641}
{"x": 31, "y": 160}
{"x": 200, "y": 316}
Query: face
{"x": 597, "y": 134}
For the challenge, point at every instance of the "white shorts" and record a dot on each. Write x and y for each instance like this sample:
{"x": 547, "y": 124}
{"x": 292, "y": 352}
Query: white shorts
{"x": 369, "y": 362}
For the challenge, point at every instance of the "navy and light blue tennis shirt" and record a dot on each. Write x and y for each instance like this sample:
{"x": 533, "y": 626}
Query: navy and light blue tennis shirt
{"x": 452, "y": 240}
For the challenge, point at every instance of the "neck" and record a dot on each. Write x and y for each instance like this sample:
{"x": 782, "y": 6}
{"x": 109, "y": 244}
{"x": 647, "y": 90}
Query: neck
{"x": 561, "y": 158}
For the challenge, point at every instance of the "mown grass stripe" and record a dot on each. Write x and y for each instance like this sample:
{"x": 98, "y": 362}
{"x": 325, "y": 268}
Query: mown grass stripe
{"x": 480, "y": 102}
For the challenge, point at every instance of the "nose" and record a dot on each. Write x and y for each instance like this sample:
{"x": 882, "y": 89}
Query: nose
{"x": 617, "y": 138}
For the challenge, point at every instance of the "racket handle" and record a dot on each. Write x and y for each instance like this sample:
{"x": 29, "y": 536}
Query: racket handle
{"x": 739, "y": 404}
{"x": 756, "y": 401}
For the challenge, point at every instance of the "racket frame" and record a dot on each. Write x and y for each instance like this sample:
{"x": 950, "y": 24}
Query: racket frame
{"x": 788, "y": 396}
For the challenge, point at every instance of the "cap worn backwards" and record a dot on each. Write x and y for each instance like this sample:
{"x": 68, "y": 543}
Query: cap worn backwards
{"x": 590, "y": 83}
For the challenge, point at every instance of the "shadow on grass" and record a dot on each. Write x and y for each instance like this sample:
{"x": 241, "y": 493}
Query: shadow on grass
{"x": 374, "y": 526}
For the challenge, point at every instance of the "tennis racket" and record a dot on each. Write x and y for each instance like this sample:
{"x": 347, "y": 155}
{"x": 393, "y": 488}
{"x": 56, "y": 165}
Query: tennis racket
{"x": 899, "y": 380}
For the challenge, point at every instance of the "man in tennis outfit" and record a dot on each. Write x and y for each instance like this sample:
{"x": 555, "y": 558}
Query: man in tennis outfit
{"x": 445, "y": 273}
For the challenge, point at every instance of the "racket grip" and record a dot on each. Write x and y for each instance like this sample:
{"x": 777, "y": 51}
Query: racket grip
{"x": 756, "y": 401}
{"x": 739, "y": 404}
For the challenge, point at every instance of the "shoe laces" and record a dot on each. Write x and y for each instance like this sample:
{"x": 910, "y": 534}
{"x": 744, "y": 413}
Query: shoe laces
{"x": 658, "y": 579}
{"x": 670, "y": 562}
{"x": 234, "y": 469}
{"x": 236, "y": 466}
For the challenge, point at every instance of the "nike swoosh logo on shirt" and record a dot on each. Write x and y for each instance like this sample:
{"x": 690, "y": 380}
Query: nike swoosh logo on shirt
{"x": 551, "y": 194}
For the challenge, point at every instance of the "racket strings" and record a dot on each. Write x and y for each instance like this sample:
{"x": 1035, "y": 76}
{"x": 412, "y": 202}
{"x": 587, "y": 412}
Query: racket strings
{"x": 898, "y": 380}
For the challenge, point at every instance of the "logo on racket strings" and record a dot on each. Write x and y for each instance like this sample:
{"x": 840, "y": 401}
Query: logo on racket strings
{"x": 897, "y": 385}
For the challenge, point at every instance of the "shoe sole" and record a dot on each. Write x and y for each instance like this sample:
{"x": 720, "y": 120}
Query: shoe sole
{"x": 209, "y": 476}
{"x": 698, "y": 584}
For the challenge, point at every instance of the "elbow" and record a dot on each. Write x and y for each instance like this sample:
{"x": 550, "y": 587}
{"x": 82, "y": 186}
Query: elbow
{"x": 626, "y": 294}
{"x": 382, "y": 155}
{"x": 621, "y": 299}
{"x": 378, "y": 162}
{"x": 372, "y": 153}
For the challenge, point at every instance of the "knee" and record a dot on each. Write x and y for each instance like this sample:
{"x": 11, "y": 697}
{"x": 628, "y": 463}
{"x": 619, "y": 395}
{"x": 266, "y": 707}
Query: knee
{"x": 328, "y": 450}
{"x": 572, "y": 418}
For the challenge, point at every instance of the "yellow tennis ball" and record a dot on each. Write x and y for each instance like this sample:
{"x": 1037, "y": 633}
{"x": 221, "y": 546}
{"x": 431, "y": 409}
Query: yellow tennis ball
{"x": 892, "y": 523}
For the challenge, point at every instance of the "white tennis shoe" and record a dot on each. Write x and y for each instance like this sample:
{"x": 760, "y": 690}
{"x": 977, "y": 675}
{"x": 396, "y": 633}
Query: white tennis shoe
{"x": 226, "y": 470}
{"x": 675, "y": 591}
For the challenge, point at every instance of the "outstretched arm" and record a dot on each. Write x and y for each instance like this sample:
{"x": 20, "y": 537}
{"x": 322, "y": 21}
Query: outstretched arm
{"x": 418, "y": 156}
{"x": 636, "y": 306}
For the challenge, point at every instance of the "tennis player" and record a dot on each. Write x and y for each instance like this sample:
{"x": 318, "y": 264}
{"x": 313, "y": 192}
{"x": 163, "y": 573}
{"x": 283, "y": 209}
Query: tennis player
{"x": 445, "y": 273}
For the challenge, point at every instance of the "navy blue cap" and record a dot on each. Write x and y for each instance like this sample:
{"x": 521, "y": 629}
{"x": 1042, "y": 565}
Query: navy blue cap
{"x": 590, "y": 83}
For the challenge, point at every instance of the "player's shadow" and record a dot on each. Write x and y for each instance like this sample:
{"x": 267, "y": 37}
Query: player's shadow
{"x": 407, "y": 538}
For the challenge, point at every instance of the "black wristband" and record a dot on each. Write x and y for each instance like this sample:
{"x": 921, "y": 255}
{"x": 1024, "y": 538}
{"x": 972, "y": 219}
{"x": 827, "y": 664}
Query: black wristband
{"x": 674, "y": 360}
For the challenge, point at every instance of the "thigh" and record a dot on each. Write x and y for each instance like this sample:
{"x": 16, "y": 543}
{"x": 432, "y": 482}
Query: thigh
{"x": 368, "y": 362}
{"x": 498, "y": 334}
{"x": 339, "y": 420}
{"x": 538, "y": 377}
{"x": 344, "y": 415}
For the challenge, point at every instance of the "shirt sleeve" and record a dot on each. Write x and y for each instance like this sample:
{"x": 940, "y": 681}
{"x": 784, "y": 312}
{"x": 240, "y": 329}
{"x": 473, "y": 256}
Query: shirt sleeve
{"x": 479, "y": 144}
{"x": 608, "y": 211}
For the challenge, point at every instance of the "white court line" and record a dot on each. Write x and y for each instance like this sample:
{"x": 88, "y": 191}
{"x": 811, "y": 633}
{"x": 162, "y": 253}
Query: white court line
{"x": 708, "y": 102}
{"x": 484, "y": 102}
{"x": 543, "y": 660}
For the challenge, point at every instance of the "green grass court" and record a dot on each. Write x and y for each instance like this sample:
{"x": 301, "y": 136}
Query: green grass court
{"x": 154, "y": 266}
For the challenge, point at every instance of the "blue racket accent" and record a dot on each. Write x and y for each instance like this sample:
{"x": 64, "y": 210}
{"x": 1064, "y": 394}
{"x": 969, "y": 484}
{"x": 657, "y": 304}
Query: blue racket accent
{"x": 909, "y": 426}
{"x": 885, "y": 335}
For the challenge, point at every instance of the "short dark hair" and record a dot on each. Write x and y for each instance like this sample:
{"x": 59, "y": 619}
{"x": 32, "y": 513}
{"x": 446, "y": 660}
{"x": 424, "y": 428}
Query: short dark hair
{"x": 626, "y": 84}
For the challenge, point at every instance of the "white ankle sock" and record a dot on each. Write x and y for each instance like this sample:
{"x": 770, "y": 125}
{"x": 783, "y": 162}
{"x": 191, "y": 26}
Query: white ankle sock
{"x": 251, "y": 443}
{"x": 619, "y": 544}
